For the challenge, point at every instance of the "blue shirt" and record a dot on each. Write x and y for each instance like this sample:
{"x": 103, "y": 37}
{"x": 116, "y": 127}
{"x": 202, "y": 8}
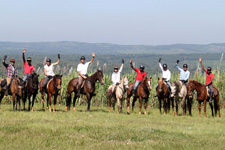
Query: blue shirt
{"x": 184, "y": 75}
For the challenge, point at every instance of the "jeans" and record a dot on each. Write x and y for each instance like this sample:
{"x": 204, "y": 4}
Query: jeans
{"x": 136, "y": 84}
{"x": 26, "y": 76}
{"x": 46, "y": 81}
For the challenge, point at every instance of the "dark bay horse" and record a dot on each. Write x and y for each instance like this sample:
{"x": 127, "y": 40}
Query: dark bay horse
{"x": 164, "y": 94}
{"x": 88, "y": 89}
{"x": 53, "y": 88}
{"x": 31, "y": 89}
{"x": 202, "y": 96}
{"x": 143, "y": 92}
{"x": 16, "y": 91}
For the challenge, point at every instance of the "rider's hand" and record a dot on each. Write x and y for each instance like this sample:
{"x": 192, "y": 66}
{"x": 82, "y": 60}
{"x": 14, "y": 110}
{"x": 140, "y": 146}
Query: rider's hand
{"x": 131, "y": 61}
{"x": 84, "y": 77}
{"x": 5, "y": 57}
{"x": 122, "y": 61}
{"x": 178, "y": 61}
{"x": 200, "y": 59}
{"x": 24, "y": 51}
{"x": 58, "y": 56}
{"x": 93, "y": 54}
{"x": 160, "y": 60}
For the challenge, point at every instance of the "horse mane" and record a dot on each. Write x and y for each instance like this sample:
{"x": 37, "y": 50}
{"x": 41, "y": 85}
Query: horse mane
{"x": 57, "y": 76}
{"x": 196, "y": 82}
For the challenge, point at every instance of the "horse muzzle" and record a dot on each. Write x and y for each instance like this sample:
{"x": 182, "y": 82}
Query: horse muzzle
{"x": 102, "y": 82}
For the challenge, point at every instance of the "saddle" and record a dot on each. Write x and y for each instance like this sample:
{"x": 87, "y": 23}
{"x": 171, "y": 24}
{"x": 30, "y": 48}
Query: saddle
{"x": 215, "y": 93}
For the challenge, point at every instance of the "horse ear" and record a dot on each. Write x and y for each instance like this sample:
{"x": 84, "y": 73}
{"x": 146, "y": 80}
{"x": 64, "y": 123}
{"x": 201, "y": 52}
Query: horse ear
{"x": 61, "y": 76}
{"x": 150, "y": 77}
{"x": 37, "y": 75}
{"x": 158, "y": 78}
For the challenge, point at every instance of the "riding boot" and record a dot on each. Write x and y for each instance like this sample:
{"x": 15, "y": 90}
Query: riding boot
{"x": 210, "y": 99}
{"x": 7, "y": 91}
{"x": 156, "y": 94}
{"x": 134, "y": 93}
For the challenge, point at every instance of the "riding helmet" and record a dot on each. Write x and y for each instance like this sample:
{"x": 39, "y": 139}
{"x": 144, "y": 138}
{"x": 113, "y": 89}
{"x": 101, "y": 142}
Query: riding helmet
{"x": 82, "y": 58}
{"x": 29, "y": 59}
{"x": 142, "y": 67}
{"x": 209, "y": 69}
{"x": 48, "y": 60}
{"x": 164, "y": 65}
{"x": 185, "y": 66}
{"x": 116, "y": 67}
{"x": 12, "y": 60}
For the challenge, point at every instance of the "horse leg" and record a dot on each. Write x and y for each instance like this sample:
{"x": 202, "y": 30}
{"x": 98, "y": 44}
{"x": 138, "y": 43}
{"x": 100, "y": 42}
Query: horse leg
{"x": 128, "y": 104}
{"x": 172, "y": 98}
{"x": 146, "y": 102}
{"x": 55, "y": 100}
{"x": 33, "y": 99}
{"x": 114, "y": 103}
{"x": 177, "y": 104}
{"x": 164, "y": 105}
{"x": 89, "y": 101}
{"x": 189, "y": 101}
{"x": 2, "y": 95}
{"x": 49, "y": 101}
{"x": 205, "y": 107}
{"x": 133, "y": 103}
{"x": 42, "y": 100}
{"x": 24, "y": 101}
{"x": 217, "y": 99}
{"x": 168, "y": 104}
{"x": 140, "y": 104}
{"x": 118, "y": 104}
{"x": 18, "y": 99}
{"x": 199, "y": 108}
{"x": 13, "y": 96}
{"x": 74, "y": 101}
{"x": 159, "y": 99}
{"x": 184, "y": 105}
{"x": 29, "y": 102}
{"x": 109, "y": 102}
{"x": 68, "y": 100}
{"x": 211, "y": 106}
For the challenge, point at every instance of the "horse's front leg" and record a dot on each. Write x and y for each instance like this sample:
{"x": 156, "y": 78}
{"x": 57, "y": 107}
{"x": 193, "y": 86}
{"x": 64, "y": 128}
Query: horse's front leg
{"x": 68, "y": 100}
{"x": 55, "y": 100}
{"x": 184, "y": 105}
{"x": 128, "y": 104}
{"x": 74, "y": 101}
{"x": 109, "y": 103}
{"x": 189, "y": 102}
{"x": 133, "y": 103}
{"x": 18, "y": 99}
{"x": 42, "y": 100}
{"x": 211, "y": 106}
{"x": 24, "y": 101}
{"x": 164, "y": 105}
{"x": 29, "y": 102}
{"x": 140, "y": 104}
{"x": 118, "y": 104}
{"x": 49, "y": 101}
{"x": 146, "y": 102}
{"x": 34, "y": 96}
{"x": 159, "y": 99}
{"x": 172, "y": 98}
{"x": 205, "y": 107}
{"x": 89, "y": 101}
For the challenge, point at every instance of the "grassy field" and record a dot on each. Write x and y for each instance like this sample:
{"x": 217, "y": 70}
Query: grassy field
{"x": 99, "y": 129}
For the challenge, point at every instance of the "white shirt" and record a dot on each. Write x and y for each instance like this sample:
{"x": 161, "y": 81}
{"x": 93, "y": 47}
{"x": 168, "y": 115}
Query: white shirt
{"x": 116, "y": 76}
{"x": 83, "y": 68}
{"x": 49, "y": 70}
{"x": 166, "y": 74}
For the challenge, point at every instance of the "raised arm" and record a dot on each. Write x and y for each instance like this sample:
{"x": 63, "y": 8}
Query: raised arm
{"x": 121, "y": 67}
{"x": 24, "y": 51}
{"x": 56, "y": 63}
{"x": 3, "y": 62}
{"x": 178, "y": 66}
{"x": 93, "y": 57}
{"x": 160, "y": 66}
{"x": 132, "y": 65}
{"x": 200, "y": 60}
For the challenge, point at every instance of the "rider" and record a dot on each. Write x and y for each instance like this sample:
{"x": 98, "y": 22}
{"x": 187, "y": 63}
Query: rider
{"x": 116, "y": 76}
{"x": 184, "y": 73}
{"x": 209, "y": 79}
{"x": 48, "y": 71}
{"x": 139, "y": 77}
{"x": 82, "y": 70}
{"x": 28, "y": 67}
{"x": 165, "y": 75}
{"x": 11, "y": 71}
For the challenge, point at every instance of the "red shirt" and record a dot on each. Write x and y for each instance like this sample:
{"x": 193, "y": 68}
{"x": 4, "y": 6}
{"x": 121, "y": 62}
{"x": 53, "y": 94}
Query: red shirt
{"x": 140, "y": 75}
{"x": 27, "y": 68}
{"x": 209, "y": 77}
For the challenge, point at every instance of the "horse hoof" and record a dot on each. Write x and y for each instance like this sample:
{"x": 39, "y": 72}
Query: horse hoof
{"x": 74, "y": 109}
{"x": 139, "y": 113}
{"x": 128, "y": 113}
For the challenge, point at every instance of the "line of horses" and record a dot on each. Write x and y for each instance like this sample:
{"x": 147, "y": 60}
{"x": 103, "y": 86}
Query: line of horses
{"x": 23, "y": 90}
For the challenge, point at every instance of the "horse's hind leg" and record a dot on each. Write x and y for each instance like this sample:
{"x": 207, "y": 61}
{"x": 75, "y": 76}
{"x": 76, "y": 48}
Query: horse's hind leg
{"x": 189, "y": 102}
{"x": 172, "y": 99}
{"x": 13, "y": 96}
{"x": 140, "y": 104}
{"x": 164, "y": 105}
{"x": 74, "y": 101}
{"x": 199, "y": 108}
{"x": 211, "y": 106}
{"x": 168, "y": 104}
{"x": 145, "y": 106}
{"x": 109, "y": 102}
{"x": 68, "y": 100}
{"x": 159, "y": 105}
{"x": 184, "y": 105}
{"x": 119, "y": 105}
{"x": 128, "y": 104}
{"x": 18, "y": 100}
{"x": 29, "y": 102}
{"x": 49, "y": 101}
{"x": 217, "y": 99}
{"x": 205, "y": 107}
{"x": 24, "y": 101}
{"x": 133, "y": 103}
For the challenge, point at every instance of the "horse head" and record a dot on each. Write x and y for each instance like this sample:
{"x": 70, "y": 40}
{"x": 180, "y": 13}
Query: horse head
{"x": 161, "y": 85}
{"x": 191, "y": 88}
{"x": 125, "y": 82}
{"x": 100, "y": 76}
{"x": 57, "y": 81}
{"x": 173, "y": 89}
{"x": 20, "y": 85}
{"x": 147, "y": 83}
{"x": 34, "y": 77}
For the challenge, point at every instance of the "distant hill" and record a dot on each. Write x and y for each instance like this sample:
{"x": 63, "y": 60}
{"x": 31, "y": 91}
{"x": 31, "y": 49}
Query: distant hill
{"x": 69, "y": 47}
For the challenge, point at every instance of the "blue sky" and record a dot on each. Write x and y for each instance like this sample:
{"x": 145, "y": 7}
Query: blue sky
{"x": 149, "y": 22}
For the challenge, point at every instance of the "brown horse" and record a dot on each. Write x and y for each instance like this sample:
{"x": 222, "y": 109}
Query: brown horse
{"x": 88, "y": 89}
{"x": 164, "y": 94}
{"x": 31, "y": 89}
{"x": 202, "y": 96}
{"x": 53, "y": 88}
{"x": 143, "y": 92}
{"x": 16, "y": 90}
